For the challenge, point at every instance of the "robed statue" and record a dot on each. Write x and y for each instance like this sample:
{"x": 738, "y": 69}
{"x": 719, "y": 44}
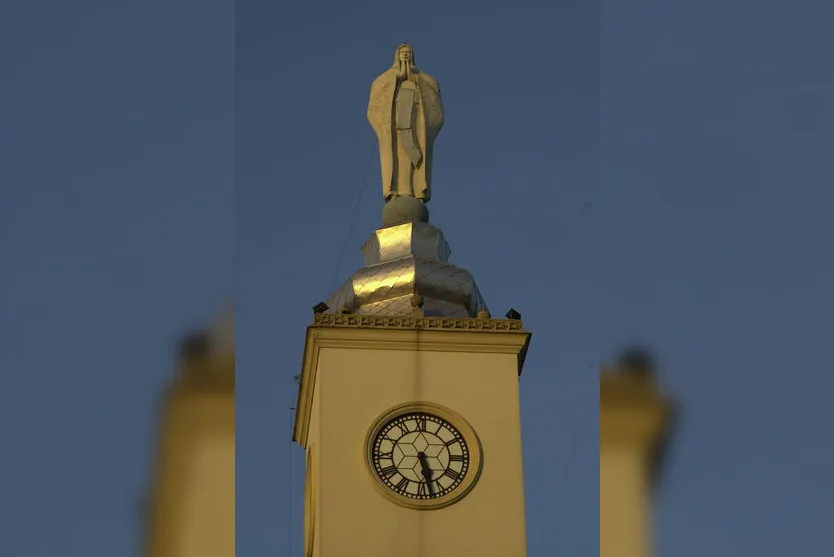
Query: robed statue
{"x": 406, "y": 113}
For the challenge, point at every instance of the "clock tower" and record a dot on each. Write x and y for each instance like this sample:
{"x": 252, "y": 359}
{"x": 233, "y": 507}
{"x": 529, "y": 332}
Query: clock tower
{"x": 408, "y": 403}
{"x": 635, "y": 425}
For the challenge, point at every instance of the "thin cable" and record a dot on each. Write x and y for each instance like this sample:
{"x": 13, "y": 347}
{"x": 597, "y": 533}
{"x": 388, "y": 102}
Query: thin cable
{"x": 290, "y": 499}
{"x": 352, "y": 220}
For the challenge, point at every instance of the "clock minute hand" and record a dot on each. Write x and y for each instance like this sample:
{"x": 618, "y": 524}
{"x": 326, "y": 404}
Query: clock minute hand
{"x": 427, "y": 472}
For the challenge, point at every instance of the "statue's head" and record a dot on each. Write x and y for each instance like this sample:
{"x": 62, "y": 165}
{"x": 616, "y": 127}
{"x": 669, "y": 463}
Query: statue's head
{"x": 404, "y": 54}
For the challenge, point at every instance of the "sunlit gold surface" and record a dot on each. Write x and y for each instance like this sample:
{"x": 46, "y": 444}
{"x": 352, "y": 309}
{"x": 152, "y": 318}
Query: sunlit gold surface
{"x": 386, "y": 280}
{"x": 420, "y": 240}
{"x": 404, "y": 260}
{"x": 394, "y": 241}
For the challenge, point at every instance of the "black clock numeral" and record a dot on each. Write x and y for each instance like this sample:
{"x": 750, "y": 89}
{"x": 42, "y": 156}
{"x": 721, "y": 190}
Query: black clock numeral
{"x": 405, "y": 427}
{"x": 402, "y": 484}
{"x": 389, "y": 455}
{"x": 422, "y": 489}
{"x": 422, "y": 423}
{"x": 454, "y": 474}
{"x": 452, "y": 442}
{"x": 456, "y": 458}
{"x": 389, "y": 471}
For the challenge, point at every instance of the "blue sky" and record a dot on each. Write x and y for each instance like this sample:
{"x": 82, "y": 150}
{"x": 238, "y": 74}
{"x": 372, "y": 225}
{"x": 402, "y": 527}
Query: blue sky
{"x": 117, "y": 234}
{"x": 645, "y": 170}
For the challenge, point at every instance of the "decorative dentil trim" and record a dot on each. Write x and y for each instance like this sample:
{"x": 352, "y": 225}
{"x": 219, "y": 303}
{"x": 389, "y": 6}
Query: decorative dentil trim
{"x": 396, "y": 322}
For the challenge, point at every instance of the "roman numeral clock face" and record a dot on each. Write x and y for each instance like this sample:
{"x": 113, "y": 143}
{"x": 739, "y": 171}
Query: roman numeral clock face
{"x": 423, "y": 457}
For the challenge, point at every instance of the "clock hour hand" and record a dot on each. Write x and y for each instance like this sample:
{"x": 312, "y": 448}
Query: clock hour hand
{"x": 427, "y": 472}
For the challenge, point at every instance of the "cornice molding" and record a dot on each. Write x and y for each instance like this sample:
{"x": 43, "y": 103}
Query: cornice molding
{"x": 422, "y": 323}
{"x": 364, "y": 332}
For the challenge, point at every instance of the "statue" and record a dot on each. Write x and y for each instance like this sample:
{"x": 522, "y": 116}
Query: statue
{"x": 406, "y": 113}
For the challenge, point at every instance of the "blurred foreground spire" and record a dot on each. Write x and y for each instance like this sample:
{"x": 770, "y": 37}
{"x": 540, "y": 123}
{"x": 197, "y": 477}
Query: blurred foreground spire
{"x": 192, "y": 505}
{"x": 636, "y": 422}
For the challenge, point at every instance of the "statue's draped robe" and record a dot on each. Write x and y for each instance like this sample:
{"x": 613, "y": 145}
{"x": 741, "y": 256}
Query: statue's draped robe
{"x": 406, "y": 116}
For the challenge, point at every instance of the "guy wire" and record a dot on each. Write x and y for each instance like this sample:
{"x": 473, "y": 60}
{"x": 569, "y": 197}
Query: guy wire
{"x": 291, "y": 502}
{"x": 352, "y": 220}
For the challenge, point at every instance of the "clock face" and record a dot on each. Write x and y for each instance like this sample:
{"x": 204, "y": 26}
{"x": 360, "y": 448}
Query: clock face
{"x": 420, "y": 456}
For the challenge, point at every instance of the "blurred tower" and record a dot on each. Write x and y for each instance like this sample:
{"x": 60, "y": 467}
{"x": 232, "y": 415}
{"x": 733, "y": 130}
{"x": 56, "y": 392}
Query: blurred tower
{"x": 634, "y": 428}
{"x": 192, "y": 506}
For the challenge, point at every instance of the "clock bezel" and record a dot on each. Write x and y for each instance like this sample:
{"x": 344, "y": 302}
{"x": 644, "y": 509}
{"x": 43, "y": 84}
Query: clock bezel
{"x": 473, "y": 444}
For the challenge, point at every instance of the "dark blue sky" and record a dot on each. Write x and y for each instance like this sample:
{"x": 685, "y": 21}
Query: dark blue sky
{"x": 117, "y": 233}
{"x": 150, "y": 170}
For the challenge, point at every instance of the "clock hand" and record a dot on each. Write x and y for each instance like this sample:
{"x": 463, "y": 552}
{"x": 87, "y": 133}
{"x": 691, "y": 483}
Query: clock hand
{"x": 424, "y": 465}
{"x": 427, "y": 472}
